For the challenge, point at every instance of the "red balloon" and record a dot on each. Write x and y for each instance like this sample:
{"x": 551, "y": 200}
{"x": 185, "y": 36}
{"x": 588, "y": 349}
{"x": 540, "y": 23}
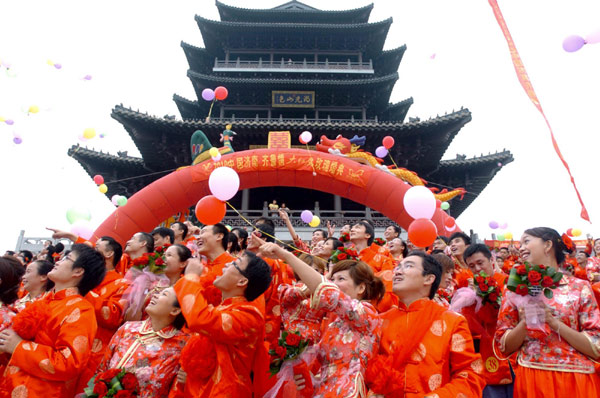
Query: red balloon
{"x": 210, "y": 210}
{"x": 388, "y": 142}
{"x": 438, "y": 203}
{"x": 570, "y": 231}
{"x": 221, "y": 93}
{"x": 450, "y": 222}
{"x": 98, "y": 179}
{"x": 422, "y": 232}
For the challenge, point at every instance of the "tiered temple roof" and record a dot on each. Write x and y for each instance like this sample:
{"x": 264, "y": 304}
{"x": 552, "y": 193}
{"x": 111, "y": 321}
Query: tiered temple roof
{"x": 295, "y": 47}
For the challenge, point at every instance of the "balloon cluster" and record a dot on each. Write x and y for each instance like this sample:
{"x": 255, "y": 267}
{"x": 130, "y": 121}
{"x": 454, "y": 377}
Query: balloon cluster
{"x": 420, "y": 204}
{"x": 219, "y": 94}
{"x": 59, "y": 66}
{"x": 501, "y": 235}
{"x": 574, "y": 42}
{"x": 224, "y": 183}
{"x": 574, "y": 232}
{"x": 89, "y": 133}
{"x": 214, "y": 154}
{"x": 79, "y": 219}
{"x": 99, "y": 180}
{"x": 382, "y": 151}
{"x": 118, "y": 200}
{"x": 310, "y": 219}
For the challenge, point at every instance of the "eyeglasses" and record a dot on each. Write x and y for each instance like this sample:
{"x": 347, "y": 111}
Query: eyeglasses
{"x": 239, "y": 269}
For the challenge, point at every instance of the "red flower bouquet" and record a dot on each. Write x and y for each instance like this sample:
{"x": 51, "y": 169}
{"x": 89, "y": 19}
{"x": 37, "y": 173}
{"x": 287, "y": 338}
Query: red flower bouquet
{"x": 379, "y": 241}
{"x": 344, "y": 253}
{"x": 526, "y": 279}
{"x": 290, "y": 346}
{"x": 116, "y": 383}
{"x": 289, "y": 359}
{"x": 487, "y": 288}
{"x": 154, "y": 261}
{"x": 345, "y": 237}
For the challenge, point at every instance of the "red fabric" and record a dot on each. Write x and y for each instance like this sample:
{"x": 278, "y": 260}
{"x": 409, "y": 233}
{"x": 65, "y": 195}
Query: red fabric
{"x": 534, "y": 383}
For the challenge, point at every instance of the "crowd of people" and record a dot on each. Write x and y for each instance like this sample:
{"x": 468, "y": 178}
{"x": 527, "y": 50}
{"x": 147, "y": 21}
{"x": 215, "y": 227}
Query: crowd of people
{"x": 189, "y": 311}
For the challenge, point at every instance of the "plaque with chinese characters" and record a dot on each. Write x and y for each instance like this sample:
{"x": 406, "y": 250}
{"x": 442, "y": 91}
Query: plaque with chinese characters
{"x": 293, "y": 99}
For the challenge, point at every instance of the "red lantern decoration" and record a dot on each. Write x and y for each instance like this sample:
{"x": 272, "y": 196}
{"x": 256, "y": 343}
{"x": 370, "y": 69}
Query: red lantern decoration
{"x": 98, "y": 179}
{"x": 422, "y": 232}
{"x": 221, "y": 93}
{"x": 388, "y": 142}
{"x": 210, "y": 210}
{"x": 449, "y": 222}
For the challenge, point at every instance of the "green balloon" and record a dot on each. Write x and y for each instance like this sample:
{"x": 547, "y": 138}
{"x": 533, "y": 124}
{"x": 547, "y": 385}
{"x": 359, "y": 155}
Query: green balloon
{"x": 500, "y": 236}
{"x": 122, "y": 201}
{"x": 445, "y": 205}
{"x": 74, "y": 214}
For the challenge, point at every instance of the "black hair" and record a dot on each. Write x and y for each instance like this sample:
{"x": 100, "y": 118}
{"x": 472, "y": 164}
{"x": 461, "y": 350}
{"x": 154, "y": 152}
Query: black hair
{"x": 431, "y": 266}
{"x": 258, "y": 273}
{"x": 233, "y": 241}
{"x": 164, "y": 232}
{"x": 11, "y": 272}
{"x": 267, "y": 231}
{"x": 183, "y": 227}
{"x": 183, "y": 252}
{"x": 54, "y": 249}
{"x": 370, "y": 222}
{"x": 92, "y": 263}
{"x": 404, "y": 247}
{"x": 336, "y": 242}
{"x": 43, "y": 268}
{"x": 179, "y": 321}
{"x": 115, "y": 247}
{"x": 243, "y": 235}
{"x": 477, "y": 248}
{"x": 146, "y": 237}
{"x": 219, "y": 228}
{"x": 444, "y": 238}
{"x": 322, "y": 231}
{"x": 549, "y": 234}
{"x": 368, "y": 229}
{"x": 584, "y": 252}
{"x": 462, "y": 236}
{"x": 27, "y": 256}
{"x": 265, "y": 220}
{"x": 9, "y": 253}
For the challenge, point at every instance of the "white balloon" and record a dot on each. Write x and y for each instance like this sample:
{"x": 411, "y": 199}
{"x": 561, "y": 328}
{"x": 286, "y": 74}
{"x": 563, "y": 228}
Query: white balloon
{"x": 306, "y": 137}
{"x": 115, "y": 200}
{"x": 224, "y": 183}
{"x": 419, "y": 202}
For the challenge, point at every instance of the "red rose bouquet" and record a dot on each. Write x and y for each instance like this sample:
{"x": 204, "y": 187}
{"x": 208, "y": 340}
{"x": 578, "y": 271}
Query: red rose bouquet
{"x": 116, "y": 383}
{"x": 379, "y": 241}
{"x": 343, "y": 253}
{"x": 154, "y": 261}
{"x": 288, "y": 359}
{"x": 345, "y": 237}
{"x": 487, "y": 288}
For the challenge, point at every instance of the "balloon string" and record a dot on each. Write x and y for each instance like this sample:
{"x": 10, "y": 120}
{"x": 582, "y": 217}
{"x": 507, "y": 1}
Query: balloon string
{"x": 311, "y": 161}
{"x": 392, "y": 159}
{"x": 271, "y": 236}
{"x": 211, "y": 106}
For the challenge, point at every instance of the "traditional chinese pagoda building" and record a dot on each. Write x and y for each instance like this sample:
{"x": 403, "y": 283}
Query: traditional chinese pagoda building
{"x": 294, "y": 68}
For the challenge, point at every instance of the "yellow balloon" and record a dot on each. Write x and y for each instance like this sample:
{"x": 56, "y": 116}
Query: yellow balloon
{"x": 315, "y": 222}
{"x": 214, "y": 152}
{"x": 576, "y": 232}
{"x": 508, "y": 236}
{"x": 49, "y": 62}
{"x": 2, "y": 120}
{"x": 89, "y": 133}
{"x": 103, "y": 188}
{"x": 34, "y": 109}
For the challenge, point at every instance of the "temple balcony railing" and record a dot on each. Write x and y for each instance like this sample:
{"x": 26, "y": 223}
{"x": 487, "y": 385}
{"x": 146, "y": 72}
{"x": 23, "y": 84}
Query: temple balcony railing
{"x": 233, "y": 118}
{"x": 294, "y": 66}
{"x": 337, "y": 217}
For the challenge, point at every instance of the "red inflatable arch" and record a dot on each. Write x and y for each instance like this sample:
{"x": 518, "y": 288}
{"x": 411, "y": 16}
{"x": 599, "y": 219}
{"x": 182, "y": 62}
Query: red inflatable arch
{"x": 264, "y": 168}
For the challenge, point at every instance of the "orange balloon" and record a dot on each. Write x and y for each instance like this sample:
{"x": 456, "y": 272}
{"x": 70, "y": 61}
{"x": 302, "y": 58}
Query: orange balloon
{"x": 210, "y": 210}
{"x": 450, "y": 222}
{"x": 422, "y": 232}
{"x": 221, "y": 93}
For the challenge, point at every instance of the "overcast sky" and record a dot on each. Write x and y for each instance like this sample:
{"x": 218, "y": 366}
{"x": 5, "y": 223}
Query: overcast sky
{"x": 132, "y": 51}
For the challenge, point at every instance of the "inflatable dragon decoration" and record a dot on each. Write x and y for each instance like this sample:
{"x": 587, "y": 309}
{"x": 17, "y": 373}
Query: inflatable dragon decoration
{"x": 350, "y": 148}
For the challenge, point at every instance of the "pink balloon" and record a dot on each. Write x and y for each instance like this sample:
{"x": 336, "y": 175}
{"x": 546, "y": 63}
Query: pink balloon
{"x": 82, "y": 228}
{"x": 573, "y": 43}
{"x": 593, "y": 37}
{"x": 381, "y": 152}
{"x": 224, "y": 183}
{"x": 305, "y": 137}
{"x": 419, "y": 202}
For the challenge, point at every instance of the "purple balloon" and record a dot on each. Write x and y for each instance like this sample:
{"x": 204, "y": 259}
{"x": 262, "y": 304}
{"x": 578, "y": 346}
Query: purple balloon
{"x": 87, "y": 77}
{"x": 306, "y": 216}
{"x": 493, "y": 224}
{"x": 17, "y": 140}
{"x": 381, "y": 152}
{"x": 573, "y": 43}
{"x": 57, "y": 66}
{"x": 9, "y": 122}
{"x": 208, "y": 94}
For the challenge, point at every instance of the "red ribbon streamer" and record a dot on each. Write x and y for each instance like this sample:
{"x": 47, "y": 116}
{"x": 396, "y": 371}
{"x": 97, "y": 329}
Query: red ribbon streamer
{"x": 528, "y": 87}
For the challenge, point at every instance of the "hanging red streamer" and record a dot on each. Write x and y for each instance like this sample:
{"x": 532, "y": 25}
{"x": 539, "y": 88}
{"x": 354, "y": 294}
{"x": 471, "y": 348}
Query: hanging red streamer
{"x": 528, "y": 87}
